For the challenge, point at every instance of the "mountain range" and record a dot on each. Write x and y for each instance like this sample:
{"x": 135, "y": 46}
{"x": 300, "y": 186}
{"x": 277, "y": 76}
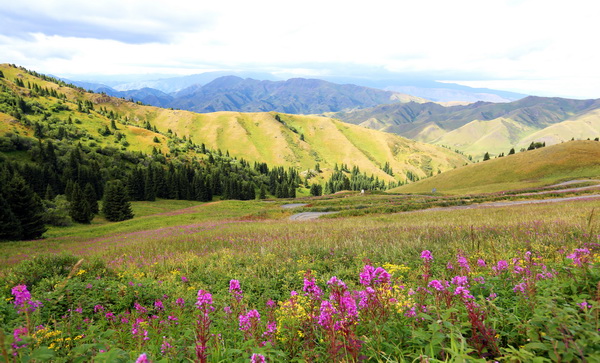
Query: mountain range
{"x": 484, "y": 126}
{"x": 233, "y": 93}
{"x": 277, "y": 139}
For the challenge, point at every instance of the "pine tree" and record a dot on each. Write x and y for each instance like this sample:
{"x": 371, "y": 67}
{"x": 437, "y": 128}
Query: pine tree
{"x": 27, "y": 208}
{"x": 116, "y": 206}
{"x": 10, "y": 228}
{"x": 79, "y": 209}
{"x": 512, "y": 151}
{"x": 486, "y": 156}
{"x": 89, "y": 193}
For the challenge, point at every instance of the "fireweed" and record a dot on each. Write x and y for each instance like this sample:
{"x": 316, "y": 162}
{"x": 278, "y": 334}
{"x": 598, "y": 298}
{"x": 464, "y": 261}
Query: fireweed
{"x": 326, "y": 320}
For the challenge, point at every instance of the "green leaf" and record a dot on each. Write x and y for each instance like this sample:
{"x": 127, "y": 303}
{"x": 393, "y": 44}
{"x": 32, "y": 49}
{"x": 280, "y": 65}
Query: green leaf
{"x": 42, "y": 354}
{"x": 536, "y": 346}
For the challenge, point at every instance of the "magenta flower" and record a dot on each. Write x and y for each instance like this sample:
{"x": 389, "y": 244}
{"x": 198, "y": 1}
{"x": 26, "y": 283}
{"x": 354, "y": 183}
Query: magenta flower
{"x": 326, "y": 317}
{"x": 158, "y": 305}
{"x": 204, "y": 301}
{"x": 436, "y": 284}
{"x": 250, "y": 320}
{"x": 142, "y": 359}
{"x": 463, "y": 292}
{"x": 584, "y": 305}
{"x": 98, "y": 308}
{"x": 180, "y": 302}
{"x": 23, "y": 300}
{"x": 579, "y": 256}
{"x": 460, "y": 280}
{"x": 312, "y": 289}
{"x": 463, "y": 263}
{"x": 481, "y": 262}
{"x": 17, "y": 335}
{"x": 236, "y": 290}
{"x": 257, "y": 358}
{"x": 367, "y": 274}
{"x": 500, "y": 266}
{"x": 426, "y": 256}
{"x": 335, "y": 282}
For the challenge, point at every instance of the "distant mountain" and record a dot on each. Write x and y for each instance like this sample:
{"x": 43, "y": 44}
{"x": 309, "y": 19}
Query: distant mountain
{"x": 278, "y": 139}
{"x": 429, "y": 89}
{"x": 483, "y": 126}
{"x": 296, "y": 96}
{"x": 176, "y": 84}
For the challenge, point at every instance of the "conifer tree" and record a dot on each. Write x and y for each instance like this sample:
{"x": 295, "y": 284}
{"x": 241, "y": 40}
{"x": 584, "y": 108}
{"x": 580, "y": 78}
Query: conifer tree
{"x": 10, "y": 228}
{"x": 486, "y": 156}
{"x": 116, "y": 206}
{"x": 80, "y": 209}
{"x": 91, "y": 197}
{"x": 27, "y": 208}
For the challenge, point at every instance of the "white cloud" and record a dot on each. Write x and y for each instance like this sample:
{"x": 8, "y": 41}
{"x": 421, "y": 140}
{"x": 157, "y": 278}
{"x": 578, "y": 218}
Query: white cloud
{"x": 542, "y": 43}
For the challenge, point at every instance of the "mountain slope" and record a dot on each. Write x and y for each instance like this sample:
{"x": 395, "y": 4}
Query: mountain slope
{"x": 297, "y": 96}
{"x": 277, "y": 139}
{"x": 478, "y": 127}
{"x": 544, "y": 166}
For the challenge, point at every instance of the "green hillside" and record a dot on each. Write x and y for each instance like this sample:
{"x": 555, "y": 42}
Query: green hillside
{"x": 276, "y": 139}
{"x": 483, "y": 126}
{"x": 544, "y": 166}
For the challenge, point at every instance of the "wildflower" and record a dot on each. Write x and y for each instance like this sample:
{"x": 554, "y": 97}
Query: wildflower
{"x": 227, "y": 309}
{"x": 257, "y": 358}
{"x": 158, "y": 305}
{"x": 165, "y": 346}
{"x": 249, "y": 320}
{"x": 463, "y": 263}
{"x": 492, "y": 296}
{"x": 411, "y": 313}
{"x": 184, "y": 279}
{"x": 312, "y": 289}
{"x": 481, "y": 262}
{"x": 23, "y": 300}
{"x": 140, "y": 308}
{"x": 204, "y": 302}
{"x": 17, "y": 334}
{"x": 327, "y": 310}
{"x": 335, "y": 282}
{"x": 236, "y": 290}
{"x": 142, "y": 359}
{"x": 98, "y": 308}
{"x": 367, "y": 274}
{"x": 180, "y": 302}
{"x": 436, "y": 284}
{"x": 463, "y": 292}
{"x": 460, "y": 280}
{"x": 426, "y": 256}
{"x": 500, "y": 266}
{"x": 271, "y": 304}
{"x": 579, "y": 256}
{"x": 584, "y": 305}
{"x": 449, "y": 266}
{"x": 520, "y": 287}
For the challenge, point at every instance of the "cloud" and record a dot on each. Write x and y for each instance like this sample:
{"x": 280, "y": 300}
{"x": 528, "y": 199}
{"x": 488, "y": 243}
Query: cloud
{"x": 130, "y": 22}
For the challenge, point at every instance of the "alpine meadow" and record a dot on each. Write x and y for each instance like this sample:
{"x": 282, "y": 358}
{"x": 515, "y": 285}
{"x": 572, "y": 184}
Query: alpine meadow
{"x": 365, "y": 196}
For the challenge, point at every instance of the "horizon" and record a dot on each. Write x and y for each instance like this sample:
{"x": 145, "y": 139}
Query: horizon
{"x": 545, "y": 51}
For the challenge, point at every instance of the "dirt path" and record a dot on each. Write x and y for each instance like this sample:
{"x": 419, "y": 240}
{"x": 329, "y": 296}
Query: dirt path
{"x": 508, "y": 203}
{"x": 305, "y": 216}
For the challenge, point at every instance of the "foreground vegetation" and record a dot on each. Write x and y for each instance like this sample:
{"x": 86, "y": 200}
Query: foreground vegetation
{"x": 232, "y": 280}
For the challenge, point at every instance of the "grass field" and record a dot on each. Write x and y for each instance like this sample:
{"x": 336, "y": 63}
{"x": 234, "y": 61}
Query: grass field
{"x": 165, "y": 284}
{"x": 545, "y": 166}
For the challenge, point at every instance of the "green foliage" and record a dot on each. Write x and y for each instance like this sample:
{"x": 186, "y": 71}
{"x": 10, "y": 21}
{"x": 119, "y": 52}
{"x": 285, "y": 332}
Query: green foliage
{"x": 26, "y": 206}
{"x": 80, "y": 209}
{"x": 116, "y": 206}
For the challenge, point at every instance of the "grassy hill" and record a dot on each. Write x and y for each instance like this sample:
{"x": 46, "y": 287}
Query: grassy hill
{"x": 277, "y": 139}
{"x": 486, "y": 127}
{"x": 544, "y": 166}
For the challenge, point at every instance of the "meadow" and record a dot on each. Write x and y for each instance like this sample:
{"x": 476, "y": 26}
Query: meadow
{"x": 237, "y": 281}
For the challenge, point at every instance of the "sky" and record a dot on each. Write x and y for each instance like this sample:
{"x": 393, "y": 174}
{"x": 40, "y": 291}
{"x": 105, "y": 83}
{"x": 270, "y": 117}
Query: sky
{"x": 541, "y": 47}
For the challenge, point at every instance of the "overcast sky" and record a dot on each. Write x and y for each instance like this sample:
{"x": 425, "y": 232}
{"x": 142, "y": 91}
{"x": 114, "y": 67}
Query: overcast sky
{"x": 543, "y": 47}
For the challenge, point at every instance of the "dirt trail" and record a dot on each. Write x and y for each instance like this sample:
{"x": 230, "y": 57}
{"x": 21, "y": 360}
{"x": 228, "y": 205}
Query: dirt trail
{"x": 305, "y": 216}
